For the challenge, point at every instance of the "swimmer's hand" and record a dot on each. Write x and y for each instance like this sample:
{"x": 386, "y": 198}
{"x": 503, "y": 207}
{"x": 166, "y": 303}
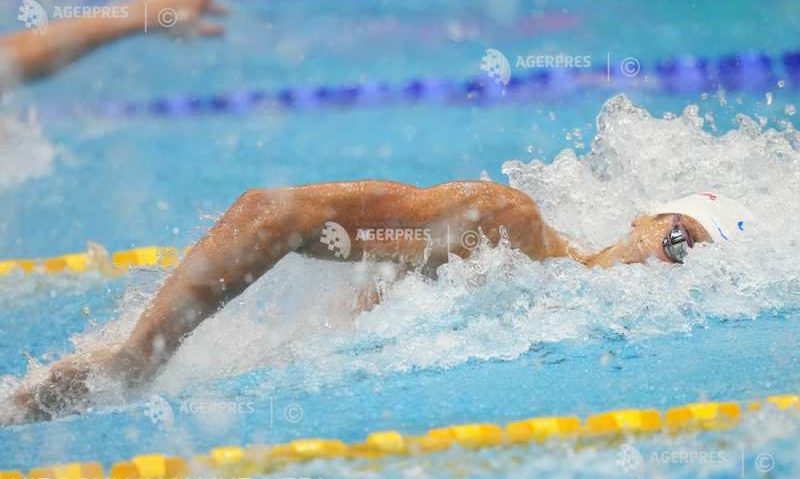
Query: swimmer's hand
{"x": 179, "y": 17}
{"x": 64, "y": 390}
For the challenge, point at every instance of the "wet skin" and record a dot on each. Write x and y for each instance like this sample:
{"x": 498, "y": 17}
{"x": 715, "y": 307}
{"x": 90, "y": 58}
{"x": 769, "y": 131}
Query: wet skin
{"x": 263, "y": 226}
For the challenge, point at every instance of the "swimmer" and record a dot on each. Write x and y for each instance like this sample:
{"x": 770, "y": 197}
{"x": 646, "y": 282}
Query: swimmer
{"x": 353, "y": 221}
{"x": 28, "y": 54}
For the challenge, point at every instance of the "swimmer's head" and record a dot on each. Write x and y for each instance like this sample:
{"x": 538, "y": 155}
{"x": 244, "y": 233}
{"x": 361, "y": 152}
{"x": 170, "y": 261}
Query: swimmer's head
{"x": 672, "y": 229}
{"x": 721, "y": 217}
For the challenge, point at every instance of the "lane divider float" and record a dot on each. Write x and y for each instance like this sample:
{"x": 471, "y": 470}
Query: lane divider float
{"x": 97, "y": 259}
{"x": 597, "y": 430}
{"x": 747, "y": 71}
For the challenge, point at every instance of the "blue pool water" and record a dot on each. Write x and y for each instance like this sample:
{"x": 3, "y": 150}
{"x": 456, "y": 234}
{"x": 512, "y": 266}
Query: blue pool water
{"x": 496, "y": 337}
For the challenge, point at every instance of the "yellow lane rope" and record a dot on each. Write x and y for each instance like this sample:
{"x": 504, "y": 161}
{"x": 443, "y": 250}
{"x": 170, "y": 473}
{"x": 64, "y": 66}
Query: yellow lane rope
{"x": 234, "y": 461}
{"x": 97, "y": 259}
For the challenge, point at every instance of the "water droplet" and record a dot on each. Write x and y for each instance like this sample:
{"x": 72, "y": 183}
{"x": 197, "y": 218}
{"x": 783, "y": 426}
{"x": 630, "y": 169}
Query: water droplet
{"x": 781, "y": 83}
{"x": 790, "y": 109}
{"x": 769, "y": 98}
{"x": 710, "y": 121}
{"x": 385, "y": 151}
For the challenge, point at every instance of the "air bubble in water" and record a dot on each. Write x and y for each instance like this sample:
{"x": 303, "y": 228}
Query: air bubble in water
{"x": 790, "y": 109}
{"x": 769, "y": 98}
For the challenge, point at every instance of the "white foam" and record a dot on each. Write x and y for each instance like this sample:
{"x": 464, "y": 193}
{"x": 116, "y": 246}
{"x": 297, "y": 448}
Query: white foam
{"x": 24, "y": 152}
{"x": 498, "y": 303}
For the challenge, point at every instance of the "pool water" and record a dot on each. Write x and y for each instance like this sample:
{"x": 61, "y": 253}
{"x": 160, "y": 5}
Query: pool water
{"x": 497, "y": 337}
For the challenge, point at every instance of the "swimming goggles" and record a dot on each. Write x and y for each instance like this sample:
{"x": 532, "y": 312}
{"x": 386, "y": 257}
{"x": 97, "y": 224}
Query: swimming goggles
{"x": 677, "y": 241}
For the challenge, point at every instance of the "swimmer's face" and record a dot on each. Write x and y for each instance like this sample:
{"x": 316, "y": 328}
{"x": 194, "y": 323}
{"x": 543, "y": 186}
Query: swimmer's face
{"x": 644, "y": 241}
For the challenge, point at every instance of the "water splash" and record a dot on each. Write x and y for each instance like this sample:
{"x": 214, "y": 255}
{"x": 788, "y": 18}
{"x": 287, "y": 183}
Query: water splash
{"x": 298, "y": 320}
{"x": 24, "y": 151}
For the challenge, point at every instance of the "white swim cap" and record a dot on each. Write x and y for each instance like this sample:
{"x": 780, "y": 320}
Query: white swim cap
{"x": 723, "y": 218}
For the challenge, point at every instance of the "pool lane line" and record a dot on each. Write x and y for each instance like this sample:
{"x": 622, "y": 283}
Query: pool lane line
{"x": 96, "y": 259}
{"x": 599, "y": 430}
{"x": 750, "y": 71}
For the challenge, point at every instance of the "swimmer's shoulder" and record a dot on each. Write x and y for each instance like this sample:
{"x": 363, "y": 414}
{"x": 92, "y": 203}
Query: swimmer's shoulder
{"x": 494, "y": 190}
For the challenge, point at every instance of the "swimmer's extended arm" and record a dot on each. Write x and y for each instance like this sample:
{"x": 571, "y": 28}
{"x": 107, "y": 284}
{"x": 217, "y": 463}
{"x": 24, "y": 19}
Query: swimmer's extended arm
{"x": 259, "y": 229}
{"x": 255, "y": 233}
{"x": 33, "y": 54}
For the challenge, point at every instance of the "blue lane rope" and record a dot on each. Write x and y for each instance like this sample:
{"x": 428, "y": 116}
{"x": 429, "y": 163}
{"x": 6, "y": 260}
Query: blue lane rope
{"x": 751, "y": 71}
